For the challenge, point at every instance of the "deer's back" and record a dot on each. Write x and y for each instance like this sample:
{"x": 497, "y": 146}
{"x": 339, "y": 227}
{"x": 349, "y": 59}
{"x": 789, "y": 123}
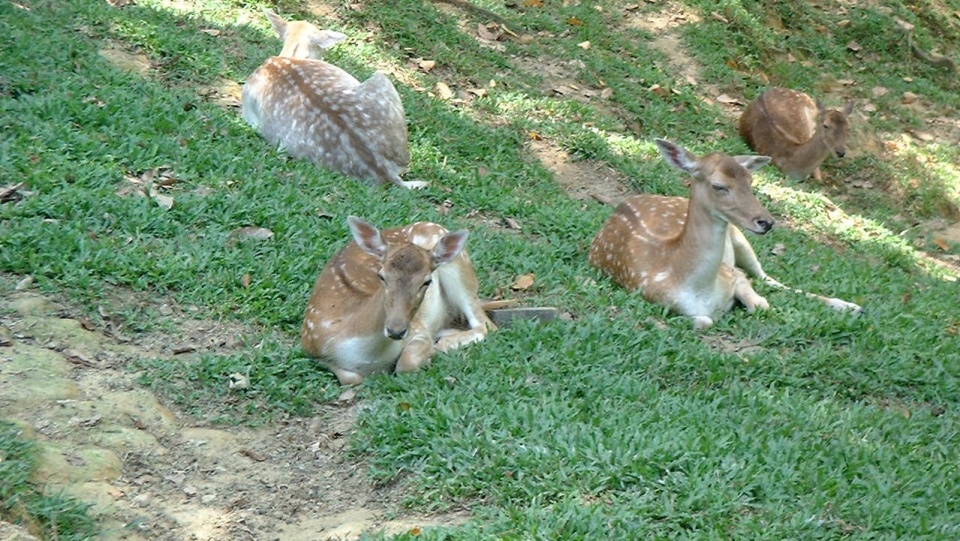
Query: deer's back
{"x": 635, "y": 243}
{"x": 317, "y": 111}
{"x": 778, "y": 121}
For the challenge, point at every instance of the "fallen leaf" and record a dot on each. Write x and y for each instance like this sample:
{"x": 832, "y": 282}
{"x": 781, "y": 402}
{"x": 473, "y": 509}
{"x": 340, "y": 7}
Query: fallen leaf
{"x": 584, "y": 45}
{"x": 444, "y": 91}
{"x": 908, "y": 98}
{"x": 404, "y": 406}
{"x": 25, "y": 283}
{"x": 853, "y": 46}
{"x": 922, "y": 135}
{"x": 718, "y": 17}
{"x": 210, "y": 31}
{"x": 115, "y": 493}
{"x": 942, "y": 244}
{"x": 511, "y": 223}
{"x": 878, "y": 91}
{"x": 659, "y": 90}
{"x": 489, "y": 32}
{"x": 573, "y": 21}
{"x": 347, "y": 395}
{"x": 523, "y": 282}
{"x": 245, "y": 280}
{"x": 606, "y": 93}
{"x": 778, "y": 249}
{"x": 414, "y": 531}
{"x": 478, "y": 92}
{"x": 190, "y": 491}
{"x": 426, "y": 65}
{"x": 163, "y": 201}
{"x": 729, "y": 100}
{"x": 253, "y": 455}
{"x": 248, "y": 233}
{"x": 11, "y": 193}
{"x": 532, "y": 3}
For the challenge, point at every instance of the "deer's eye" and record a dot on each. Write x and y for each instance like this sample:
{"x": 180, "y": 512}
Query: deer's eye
{"x": 426, "y": 283}
{"x": 720, "y": 189}
{"x": 381, "y": 277}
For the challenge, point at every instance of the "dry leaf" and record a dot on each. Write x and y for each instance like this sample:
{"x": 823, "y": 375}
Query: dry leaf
{"x": 489, "y": 32}
{"x": 404, "y": 406}
{"x": 534, "y": 136}
{"x": 523, "y": 282}
{"x": 729, "y": 100}
{"x": 719, "y": 17}
{"x": 573, "y": 21}
{"x": 163, "y": 201}
{"x": 11, "y": 193}
{"x": 659, "y": 90}
{"x": 210, "y": 31}
{"x": 414, "y": 531}
{"x": 511, "y": 223}
{"x": 584, "y": 45}
{"x": 444, "y": 91}
{"x": 606, "y": 93}
{"x": 251, "y": 232}
{"x": 942, "y": 244}
{"x": 238, "y": 381}
{"x": 25, "y": 283}
{"x": 533, "y": 3}
{"x": 853, "y": 46}
{"x": 478, "y": 92}
{"x": 908, "y": 98}
{"x": 347, "y": 396}
{"x": 426, "y": 65}
{"x": 778, "y": 249}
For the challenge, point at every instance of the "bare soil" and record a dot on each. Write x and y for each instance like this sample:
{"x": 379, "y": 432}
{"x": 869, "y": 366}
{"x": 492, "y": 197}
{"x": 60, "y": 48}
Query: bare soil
{"x": 151, "y": 472}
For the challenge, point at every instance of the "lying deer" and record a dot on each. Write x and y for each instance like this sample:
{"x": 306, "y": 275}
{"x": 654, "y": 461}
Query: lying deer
{"x": 688, "y": 254}
{"x": 796, "y": 132}
{"x": 315, "y": 110}
{"x": 389, "y": 299}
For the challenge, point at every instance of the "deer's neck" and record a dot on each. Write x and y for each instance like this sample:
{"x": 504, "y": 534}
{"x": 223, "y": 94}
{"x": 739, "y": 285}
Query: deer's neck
{"x": 701, "y": 246}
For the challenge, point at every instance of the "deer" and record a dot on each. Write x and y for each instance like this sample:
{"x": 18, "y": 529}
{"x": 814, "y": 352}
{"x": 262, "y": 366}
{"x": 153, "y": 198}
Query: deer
{"x": 311, "y": 109}
{"x": 687, "y": 253}
{"x": 797, "y": 132}
{"x": 390, "y": 299}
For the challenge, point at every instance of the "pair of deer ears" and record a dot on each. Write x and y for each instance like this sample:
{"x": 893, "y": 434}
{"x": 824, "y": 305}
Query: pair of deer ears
{"x": 370, "y": 241}
{"x": 322, "y": 39}
{"x": 683, "y": 159}
{"x": 821, "y": 108}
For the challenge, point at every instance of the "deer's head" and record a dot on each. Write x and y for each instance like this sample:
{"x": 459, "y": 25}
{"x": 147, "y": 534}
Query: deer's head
{"x": 833, "y": 127}
{"x": 302, "y": 39}
{"x": 405, "y": 271}
{"x": 724, "y": 184}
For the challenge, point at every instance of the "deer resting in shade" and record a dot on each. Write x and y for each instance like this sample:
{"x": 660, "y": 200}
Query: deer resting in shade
{"x": 389, "y": 299}
{"x": 797, "y": 132}
{"x": 688, "y": 254}
{"x": 312, "y": 109}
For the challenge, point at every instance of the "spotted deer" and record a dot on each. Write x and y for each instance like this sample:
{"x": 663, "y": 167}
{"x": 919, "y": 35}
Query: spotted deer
{"x": 797, "y": 132}
{"x": 312, "y": 109}
{"x": 390, "y": 299}
{"x": 688, "y": 254}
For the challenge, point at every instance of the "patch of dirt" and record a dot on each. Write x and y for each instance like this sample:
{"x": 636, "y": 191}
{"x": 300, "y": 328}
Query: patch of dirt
{"x": 153, "y": 473}
{"x": 663, "y": 24}
{"x": 581, "y": 179}
{"x": 122, "y": 59}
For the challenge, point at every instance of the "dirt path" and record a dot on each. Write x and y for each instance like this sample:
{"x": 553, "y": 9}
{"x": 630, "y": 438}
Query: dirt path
{"x": 152, "y": 473}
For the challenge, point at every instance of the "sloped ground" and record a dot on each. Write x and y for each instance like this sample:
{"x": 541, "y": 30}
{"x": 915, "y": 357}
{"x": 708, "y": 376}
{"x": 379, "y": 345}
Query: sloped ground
{"x": 151, "y": 473}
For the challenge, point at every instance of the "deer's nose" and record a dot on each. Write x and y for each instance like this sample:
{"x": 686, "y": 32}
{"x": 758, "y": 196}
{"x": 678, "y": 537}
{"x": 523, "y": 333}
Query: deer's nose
{"x": 395, "y": 334}
{"x": 841, "y": 153}
{"x": 763, "y": 225}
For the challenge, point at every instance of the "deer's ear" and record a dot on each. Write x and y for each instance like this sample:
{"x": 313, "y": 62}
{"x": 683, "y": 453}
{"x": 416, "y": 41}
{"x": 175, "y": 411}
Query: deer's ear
{"x": 449, "y": 246}
{"x": 279, "y": 25}
{"x": 677, "y": 156}
{"x": 327, "y": 38}
{"x": 367, "y": 237}
{"x": 752, "y": 163}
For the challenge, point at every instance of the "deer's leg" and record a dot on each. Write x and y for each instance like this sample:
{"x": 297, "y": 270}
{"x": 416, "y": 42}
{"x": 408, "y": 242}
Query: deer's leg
{"x": 416, "y": 353}
{"x": 743, "y": 292}
{"x": 743, "y": 255}
{"x": 409, "y": 184}
{"x": 817, "y": 175}
{"x": 347, "y": 377}
{"x": 459, "y": 285}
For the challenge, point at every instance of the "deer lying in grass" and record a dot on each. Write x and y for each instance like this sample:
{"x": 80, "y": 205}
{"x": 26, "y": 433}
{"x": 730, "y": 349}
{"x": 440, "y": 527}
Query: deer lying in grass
{"x": 315, "y": 110}
{"x": 389, "y": 299}
{"x": 688, "y": 254}
{"x": 796, "y": 132}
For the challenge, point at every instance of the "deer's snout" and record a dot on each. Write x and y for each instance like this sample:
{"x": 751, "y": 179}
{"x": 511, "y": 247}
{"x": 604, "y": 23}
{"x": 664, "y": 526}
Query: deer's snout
{"x": 762, "y": 225}
{"x": 395, "y": 333}
{"x": 841, "y": 152}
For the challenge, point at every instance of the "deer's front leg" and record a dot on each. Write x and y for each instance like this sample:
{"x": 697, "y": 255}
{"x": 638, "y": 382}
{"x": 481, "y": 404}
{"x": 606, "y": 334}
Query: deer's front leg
{"x": 417, "y": 353}
{"x": 744, "y": 293}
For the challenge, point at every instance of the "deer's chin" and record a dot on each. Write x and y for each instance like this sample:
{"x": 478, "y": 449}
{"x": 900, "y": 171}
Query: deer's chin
{"x": 757, "y": 230}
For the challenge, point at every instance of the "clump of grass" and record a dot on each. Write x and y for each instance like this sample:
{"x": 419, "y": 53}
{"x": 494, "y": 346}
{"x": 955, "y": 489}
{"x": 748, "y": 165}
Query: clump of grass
{"x": 49, "y": 516}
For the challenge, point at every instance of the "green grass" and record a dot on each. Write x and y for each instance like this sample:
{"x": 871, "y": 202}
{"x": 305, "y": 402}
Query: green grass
{"x": 620, "y": 423}
{"x": 49, "y": 516}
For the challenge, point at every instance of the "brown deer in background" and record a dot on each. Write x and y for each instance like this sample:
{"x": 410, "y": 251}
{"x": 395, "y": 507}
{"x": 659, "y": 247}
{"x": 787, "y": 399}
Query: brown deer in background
{"x": 797, "y": 133}
{"x": 389, "y": 299}
{"x": 311, "y": 109}
{"x": 688, "y": 254}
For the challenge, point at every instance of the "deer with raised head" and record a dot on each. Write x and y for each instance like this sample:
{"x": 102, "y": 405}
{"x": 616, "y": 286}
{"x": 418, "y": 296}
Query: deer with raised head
{"x": 312, "y": 109}
{"x": 389, "y": 299}
{"x": 797, "y": 132}
{"x": 688, "y": 254}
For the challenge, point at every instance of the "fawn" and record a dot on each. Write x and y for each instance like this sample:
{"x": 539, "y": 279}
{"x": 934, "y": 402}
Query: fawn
{"x": 688, "y": 254}
{"x": 312, "y": 109}
{"x": 796, "y": 132}
{"x": 389, "y": 299}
